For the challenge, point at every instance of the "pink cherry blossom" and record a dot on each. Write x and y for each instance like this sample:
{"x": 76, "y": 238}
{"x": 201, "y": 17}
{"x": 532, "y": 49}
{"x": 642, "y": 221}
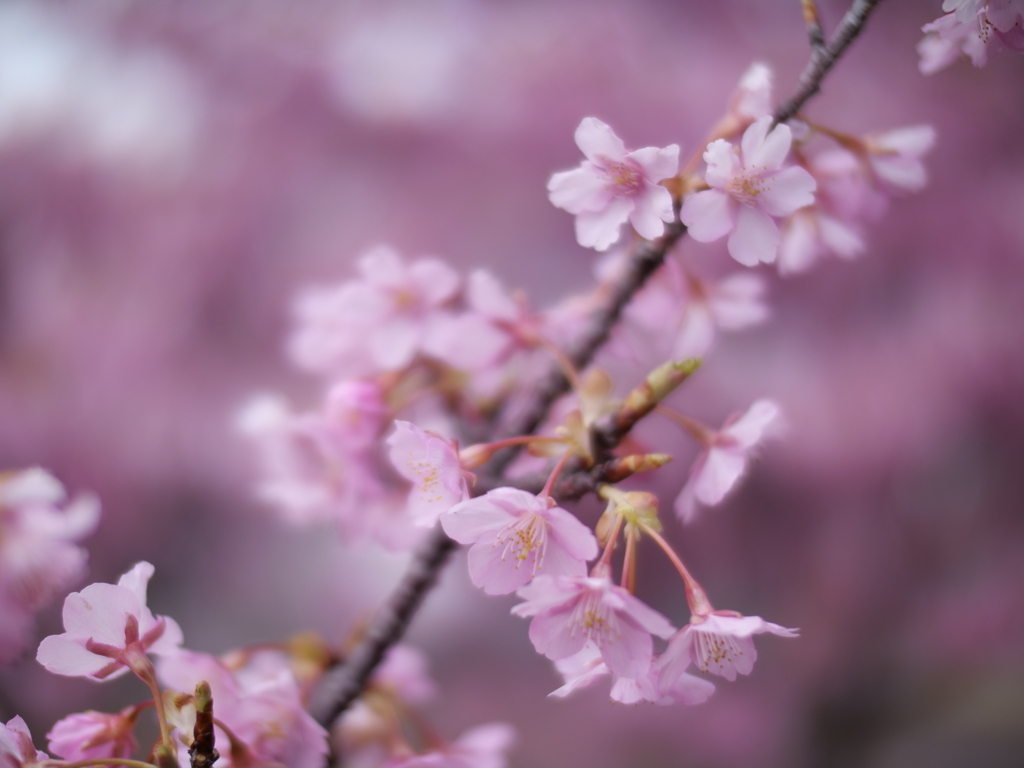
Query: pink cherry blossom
{"x": 432, "y": 465}
{"x": 975, "y": 31}
{"x": 94, "y": 735}
{"x": 38, "y": 555}
{"x": 724, "y": 458}
{"x": 753, "y": 97}
{"x": 376, "y": 323}
{"x": 678, "y": 314}
{"x": 569, "y": 611}
{"x": 613, "y": 185}
{"x": 259, "y": 702}
{"x": 748, "y": 189}
{"x": 895, "y": 157}
{"x": 583, "y": 668}
{"x": 16, "y": 748}
{"x": 720, "y": 643}
{"x": 481, "y": 747}
{"x": 324, "y": 465}
{"x": 516, "y": 536}
{"x": 109, "y": 629}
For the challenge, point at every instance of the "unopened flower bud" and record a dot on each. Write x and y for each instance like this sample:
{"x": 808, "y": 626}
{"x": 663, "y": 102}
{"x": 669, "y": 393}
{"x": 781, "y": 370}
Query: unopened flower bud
{"x": 621, "y": 468}
{"x": 658, "y": 385}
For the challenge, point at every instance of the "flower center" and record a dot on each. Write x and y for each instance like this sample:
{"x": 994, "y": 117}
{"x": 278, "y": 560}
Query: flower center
{"x": 525, "y": 539}
{"x": 623, "y": 178}
{"x": 716, "y": 650}
{"x": 746, "y": 186}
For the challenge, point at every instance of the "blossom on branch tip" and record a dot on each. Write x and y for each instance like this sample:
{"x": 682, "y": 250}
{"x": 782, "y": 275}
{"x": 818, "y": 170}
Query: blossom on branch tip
{"x": 432, "y": 465}
{"x": 16, "y": 748}
{"x": 93, "y": 735}
{"x": 517, "y": 536}
{"x": 720, "y": 643}
{"x": 109, "y": 629}
{"x": 569, "y": 611}
{"x": 749, "y": 187}
{"x": 724, "y": 458}
{"x": 373, "y": 324}
{"x": 613, "y": 185}
{"x": 974, "y": 31}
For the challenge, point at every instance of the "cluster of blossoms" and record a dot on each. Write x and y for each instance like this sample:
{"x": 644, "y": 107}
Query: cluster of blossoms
{"x": 253, "y": 702}
{"x": 39, "y": 557}
{"x": 972, "y": 28}
{"x": 415, "y": 359}
{"x": 415, "y": 362}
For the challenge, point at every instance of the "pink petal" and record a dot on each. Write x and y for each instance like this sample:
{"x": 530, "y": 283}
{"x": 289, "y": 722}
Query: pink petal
{"x": 434, "y": 280}
{"x": 470, "y": 521}
{"x": 723, "y": 163}
{"x": 63, "y": 656}
{"x": 708, "y": 215}
{"x": 652, "y": 208}
{"x": 98, "y": 612}
{"x": 718, "y": 475}
{"x": 581, "y": 189}
{"x": 394, "y": 344}
{"x": 736, "y": 301}
{"x": 552, "y": 634}
{"x": 600, "y": 229}
{"x": 657, "y": 164}
{"x": 485, "y": 294}
{"x": 573, "y": 536}
{"x": 765, "y": 150}
{"x": 750, "y": 428}
{"x": 840, "y": 238}
{"x": 627, "y": 650}
{"x": 756, "y": 237}
{"x": 787, "y": 191}
{"x": 496, "y": 575}
{"x": 597, "y": 140}
{"x": 137, "y": 579}
{"x": 799, "y": 246}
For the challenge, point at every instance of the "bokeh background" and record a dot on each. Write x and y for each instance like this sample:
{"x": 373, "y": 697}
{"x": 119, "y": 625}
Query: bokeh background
{"x": 172, "y": 173}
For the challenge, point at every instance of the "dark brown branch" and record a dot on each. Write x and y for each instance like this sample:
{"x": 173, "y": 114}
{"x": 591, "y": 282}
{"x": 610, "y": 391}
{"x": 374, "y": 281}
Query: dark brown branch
{"x": 823, "y": 58}
{"x": 342, "y": 685}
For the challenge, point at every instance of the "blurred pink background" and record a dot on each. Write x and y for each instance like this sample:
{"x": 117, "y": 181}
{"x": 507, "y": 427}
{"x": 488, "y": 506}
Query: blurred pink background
{"x": 172, "y": 173}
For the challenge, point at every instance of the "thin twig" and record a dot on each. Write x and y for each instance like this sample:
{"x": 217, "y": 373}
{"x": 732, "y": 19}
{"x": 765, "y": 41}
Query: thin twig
{"x": 342, "y": 685}
{"x": 823, "y": 59}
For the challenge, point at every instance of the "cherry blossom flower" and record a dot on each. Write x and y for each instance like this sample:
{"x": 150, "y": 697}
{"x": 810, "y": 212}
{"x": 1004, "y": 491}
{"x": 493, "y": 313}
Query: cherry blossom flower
{"x": 845, "y": 196}
{"x": 109, "y": 629}
{"x": 569, "y": 611}
{"x": 432, "y": 465}
{"x": 974, "y": 31}
{"x": 374, "y": 324}
{"x": 753, "y": 97}
{"x": 517, "y": 536}
{"x": 724, "y": 458}
{"x": 720, "y": 643}
{"x": 748, "y": 189}
{"x": 895, "y": 156}
{"x": 481, "y": 747}
{"x": 16, "y": 748}
{"x": 38, "y": 555}
{"x": 260, "y": 703}
{"x": 678, "y": 314}
{"x": 94, "y": 735}
{"x": 613, "y": 185}
{"x": 324, "y": 465}
{"x": 583, "y": 668}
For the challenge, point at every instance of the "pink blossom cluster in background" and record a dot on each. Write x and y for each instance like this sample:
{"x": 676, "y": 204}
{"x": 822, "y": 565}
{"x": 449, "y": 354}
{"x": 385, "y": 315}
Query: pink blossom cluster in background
{"x": 199, "y": 322}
